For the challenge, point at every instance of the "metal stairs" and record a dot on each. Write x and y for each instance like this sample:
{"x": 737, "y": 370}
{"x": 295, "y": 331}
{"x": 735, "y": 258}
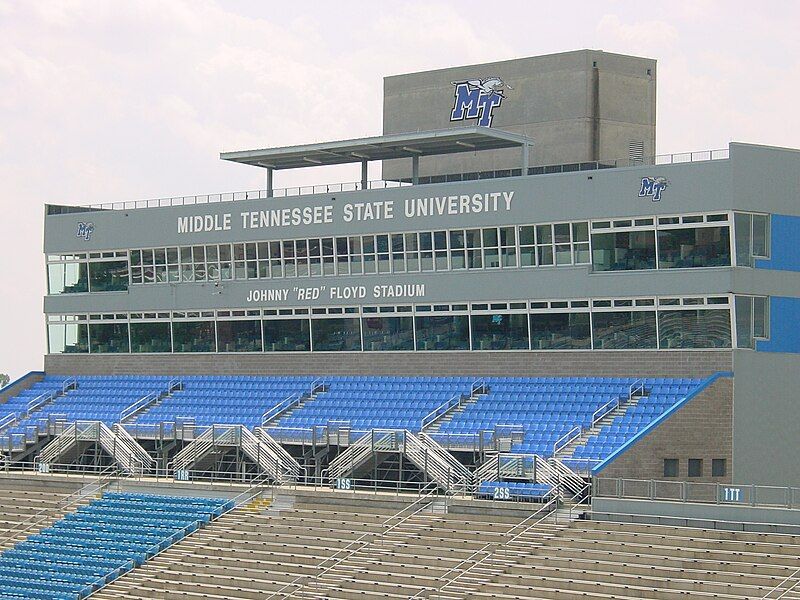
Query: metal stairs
{"x": 147, "y": 403}
{"x": 567, "y": 451}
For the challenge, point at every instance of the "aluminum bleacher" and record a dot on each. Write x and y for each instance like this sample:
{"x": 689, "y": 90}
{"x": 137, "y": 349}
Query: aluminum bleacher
{"x": 89, "y": 548}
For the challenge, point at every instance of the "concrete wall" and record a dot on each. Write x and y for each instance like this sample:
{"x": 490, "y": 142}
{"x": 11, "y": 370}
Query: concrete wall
{"x": 576, "y": 106}
{"x": 702, "y": 428}
{"x": 766, "y": 418}
{"x": 519, "y": 364}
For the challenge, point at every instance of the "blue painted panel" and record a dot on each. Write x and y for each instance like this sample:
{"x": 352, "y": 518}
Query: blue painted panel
{"x": 784, "y": 326}
{"x": 784, "y": 244}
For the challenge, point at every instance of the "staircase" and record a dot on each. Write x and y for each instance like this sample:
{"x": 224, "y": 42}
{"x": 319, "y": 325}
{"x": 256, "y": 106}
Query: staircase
{"x": 436, "y": 462}
{"x": 361, "y": 451}
{"x": 117, "y": 442}
{"x": 292, "y": 403}
{"x": 33, "y": 407}
{"x": 147, "y": 403}
{"x": 567, "y": 450}
{"x": 433, "y": 422}
{"x": 259, "y": 447}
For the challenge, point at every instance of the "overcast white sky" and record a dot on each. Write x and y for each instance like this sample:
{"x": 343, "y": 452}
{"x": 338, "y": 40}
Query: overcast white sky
{"x": 109, "y": 100}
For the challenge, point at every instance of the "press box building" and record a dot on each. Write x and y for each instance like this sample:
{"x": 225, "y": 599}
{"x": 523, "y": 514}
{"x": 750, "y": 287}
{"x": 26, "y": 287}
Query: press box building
{"x": 523, "y": 227}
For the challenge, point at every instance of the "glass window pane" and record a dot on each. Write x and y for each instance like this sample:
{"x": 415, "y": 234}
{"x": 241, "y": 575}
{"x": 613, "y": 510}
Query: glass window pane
{"x": 526, "y": 235}
{"x": 109, "y": 337}
{"x": 742, "y": 223}
{"x": 336, "y": 335}
{"x": 560, "y": 331}
{"x": 108, "y": 276}
{"x": 744, "y": 321}
{"x": 150, "y": 337}
{"x": 624, "y": 250}
{"x": 443, "y": 332}
{"x": 561, "y": 233}
{"x": 700, "y": 247}
{"x": 287, "y": 335}
{"x": 194, "y": 336}
{"x": 694, "y": 329}
{"x": 67, "y": 278}
{"x": 239, "y": 336}
{"x": 500, "y": 331}
{"x": 68, "y": 338}
{"x": 580, "y": 232}
{"x": 760, "y": 236}
{"x": 490, "y": 237}
{"x": 760, "y": 317}
{"x": 388, "y": 333}
{"x": 624, "y": 330}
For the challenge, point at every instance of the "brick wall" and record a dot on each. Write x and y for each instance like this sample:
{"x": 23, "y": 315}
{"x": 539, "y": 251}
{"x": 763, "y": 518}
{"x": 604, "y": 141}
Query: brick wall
{"x": 702, "y": 428}
{"x": 554, "y": 364}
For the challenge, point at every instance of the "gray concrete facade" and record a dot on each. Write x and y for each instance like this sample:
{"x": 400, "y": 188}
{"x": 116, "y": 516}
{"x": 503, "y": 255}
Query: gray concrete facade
{"x": 579, "y": 106}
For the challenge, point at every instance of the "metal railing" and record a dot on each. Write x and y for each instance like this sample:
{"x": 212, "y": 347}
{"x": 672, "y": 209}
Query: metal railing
{"x": 380, "y": 184}
{"x": 566, "y": 439}
{"x": 697, "y": 492}
{"x": 441, "y": 410}
{"x": 281, "y": 407}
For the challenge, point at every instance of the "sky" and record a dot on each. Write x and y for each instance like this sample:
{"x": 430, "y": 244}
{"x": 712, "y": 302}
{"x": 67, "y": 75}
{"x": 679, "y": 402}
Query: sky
{"x": 107, "y": 100}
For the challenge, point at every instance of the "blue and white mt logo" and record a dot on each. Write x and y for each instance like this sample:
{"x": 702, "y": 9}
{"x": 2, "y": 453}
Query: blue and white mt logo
{"x": 85, "y": 230}
{"x": 477, "y": 99}
{"x": 653, "y": 186}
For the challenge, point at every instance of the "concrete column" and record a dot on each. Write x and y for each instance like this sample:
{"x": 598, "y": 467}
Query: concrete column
{"x": 364, "y": 175}
{"x": 526, "y": 159}
{"x": 415, "y": 169}
{"x": 269, "y": 182}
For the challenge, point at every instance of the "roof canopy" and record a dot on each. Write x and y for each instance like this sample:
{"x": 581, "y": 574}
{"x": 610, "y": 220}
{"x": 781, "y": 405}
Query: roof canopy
{"x": 385, "y": 147}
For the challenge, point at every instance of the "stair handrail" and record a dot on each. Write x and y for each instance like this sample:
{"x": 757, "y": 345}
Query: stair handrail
{"x": 365, "y": 444}
{"x": 132, "y": 409}
{"x": 443, "y": 453}
{"x": 287, "y": 461}
{"x": 319, "y": 382}
{"x": 441, "y": 410}
{"x": 349, "y": 550}
{"x": 112, "y": 442}
{"x": 70, "y": 383}
{"x": 104, "y": 478}
{"x": 281, "y": 407}
{"x": 636, "y": 386}
{"x": 601, "y": 412}
{"x": 8, "y": 420}
{"x": 38, "y": 402}
{"x": 478, "y": 386}
{"x": 131, "y": 443}
{"x": 174, "y": 385}
{"x": 489, "y": 548}
{"x": 185, "y": 452}
{"x": 566, "y": 439}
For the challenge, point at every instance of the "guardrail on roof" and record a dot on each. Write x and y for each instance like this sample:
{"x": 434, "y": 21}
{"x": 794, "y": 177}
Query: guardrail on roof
{"x": 380, "y": 184}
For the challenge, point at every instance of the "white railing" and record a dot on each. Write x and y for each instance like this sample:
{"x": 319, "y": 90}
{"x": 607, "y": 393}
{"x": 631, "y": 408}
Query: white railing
{"x": 566, "y": 439}
{"x": 441, "y": 410}
{"x": 379, "y": 184}
{"x": 132, "y": 446}
{"x": 487, "y": 551}
{"x": 288, "y": 463}
{"x": 38, "y": 402}
{"x": 358, "y": 452}
{"x": 70, "y": 383}
{"x": 281, "y": 407}
{"x": 460, "y": 476}
{"x": 363, "y": 540}
{"x": 636, "y": 386}
{"x": 604, "y": 410}
{"x": 8, "y": 421}
{"x": 139, "y": 405}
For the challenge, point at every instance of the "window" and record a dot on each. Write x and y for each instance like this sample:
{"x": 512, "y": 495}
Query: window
{"x": 287, "y": 335}
{"x": 150, "y": 337}
{"x": 719, "y": 467}
{"x": 67, "y": 278}
{"x": 500, "y": 331}
{"x": 752, "y": 320}
{"x": 336, "y": 335}
{"x": 239, "y": 336}
{"x": 695, "y": 467}
{"x": 752, "y": 238}
{"x": 388, "y": 333}
{"x": 694, "y": 247}
{"x": 69, "y": 338}
{"x": 107, "y": 338}
{"x": 560, "y": 331}
{"x": 670, "y": 467}
{"x": 694, "y": 329}
{"x": 194, "y": 336}
{"x": 624, "y": 330}
{"x": 624, "y": 250}
{"x": 442, "y": 332}
{"x": 108, "y": 276}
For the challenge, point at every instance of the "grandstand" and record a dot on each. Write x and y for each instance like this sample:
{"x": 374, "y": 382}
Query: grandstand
{"x": 533, "y": 361}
